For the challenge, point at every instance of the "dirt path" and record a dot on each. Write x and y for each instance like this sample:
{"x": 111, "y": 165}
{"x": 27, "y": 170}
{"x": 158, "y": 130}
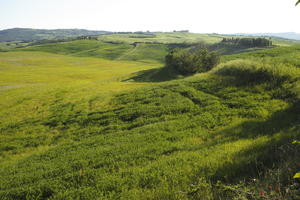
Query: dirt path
{"x": 128, "y": 53}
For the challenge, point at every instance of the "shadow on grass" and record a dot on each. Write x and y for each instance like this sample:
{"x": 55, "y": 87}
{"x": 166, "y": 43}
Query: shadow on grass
{"x": 155, "y": 75}
{"x": 257, "y": 159}
{"x": 279, "y": 121}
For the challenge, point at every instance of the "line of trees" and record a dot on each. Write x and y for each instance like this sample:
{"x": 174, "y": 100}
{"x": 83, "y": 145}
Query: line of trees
{"x": 188, "y": 62}
{"x": 87, "y": 37}
{"x": 248, "y": 42}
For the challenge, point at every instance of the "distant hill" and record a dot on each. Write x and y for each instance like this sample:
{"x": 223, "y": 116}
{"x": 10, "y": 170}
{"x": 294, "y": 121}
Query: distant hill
{"x": 287, "y": 35}
{"x": 27, "y": 34}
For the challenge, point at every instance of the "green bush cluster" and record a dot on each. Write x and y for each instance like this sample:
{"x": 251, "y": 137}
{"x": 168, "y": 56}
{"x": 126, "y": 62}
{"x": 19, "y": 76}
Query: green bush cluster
{"x": 190, "y": 62}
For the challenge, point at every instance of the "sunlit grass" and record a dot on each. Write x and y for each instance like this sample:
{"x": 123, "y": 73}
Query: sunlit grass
{"x": 163, "y": 38}
{"x": 75, "y": 127}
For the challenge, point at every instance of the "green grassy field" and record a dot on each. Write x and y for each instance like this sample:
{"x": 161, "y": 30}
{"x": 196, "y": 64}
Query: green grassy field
{"x": 98, "y": 49}
{"x": 79, "y": 122}
{"x": 137, "y": 47}
{"x": 284, "y": 42}
{"x": 33, "y": 81}
{"x": 164, "y": 38}
{"x": 7, "y": 46}
{"x": 189, "y": 38}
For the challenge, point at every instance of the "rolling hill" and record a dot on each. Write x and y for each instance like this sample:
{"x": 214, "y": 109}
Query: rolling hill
{"x": 27, "y": 34}
{"x": 90, "y": 119}
{"x": 287, "y": 35}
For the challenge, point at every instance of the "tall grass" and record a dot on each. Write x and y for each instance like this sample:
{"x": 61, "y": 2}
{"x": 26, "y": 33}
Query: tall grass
{"x": 259, "y": 71}
{"x": 72, "y": 128}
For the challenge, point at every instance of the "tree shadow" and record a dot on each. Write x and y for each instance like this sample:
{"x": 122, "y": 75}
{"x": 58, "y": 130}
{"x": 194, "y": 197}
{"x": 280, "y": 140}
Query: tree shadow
{"x": 156, "y": 75}
{"x": 279, "y": 121}
{"x": 256, "y": 159}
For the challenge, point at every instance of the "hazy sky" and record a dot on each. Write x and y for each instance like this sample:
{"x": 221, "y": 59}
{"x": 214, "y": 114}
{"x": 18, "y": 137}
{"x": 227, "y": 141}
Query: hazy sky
{"x": 203, "y": 16}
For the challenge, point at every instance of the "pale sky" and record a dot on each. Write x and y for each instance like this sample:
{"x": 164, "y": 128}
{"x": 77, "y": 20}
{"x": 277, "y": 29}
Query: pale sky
{"x": 201, "y": 16}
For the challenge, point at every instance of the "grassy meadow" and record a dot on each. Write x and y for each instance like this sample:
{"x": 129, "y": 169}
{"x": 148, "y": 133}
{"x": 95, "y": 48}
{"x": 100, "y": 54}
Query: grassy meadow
{"x": 164, "y": 38}
{"x": 31, "y": 82}
{"x": 98, "y": 49}
{"x": 179, "y": 38}
{"x": 98, "y": 120}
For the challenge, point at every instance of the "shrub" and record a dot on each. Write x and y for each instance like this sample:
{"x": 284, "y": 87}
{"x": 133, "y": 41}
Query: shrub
{"x": 191, "y": 62}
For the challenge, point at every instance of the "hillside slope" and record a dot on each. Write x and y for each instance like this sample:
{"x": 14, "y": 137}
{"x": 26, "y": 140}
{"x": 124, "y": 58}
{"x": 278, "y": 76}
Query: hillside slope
{"x": 64, "y": 136}
{"x": 287, "y": 35}
{"x": 111, "y": 51}
{"x": 162, "y": 37}
{"x": 27, "y": 34}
